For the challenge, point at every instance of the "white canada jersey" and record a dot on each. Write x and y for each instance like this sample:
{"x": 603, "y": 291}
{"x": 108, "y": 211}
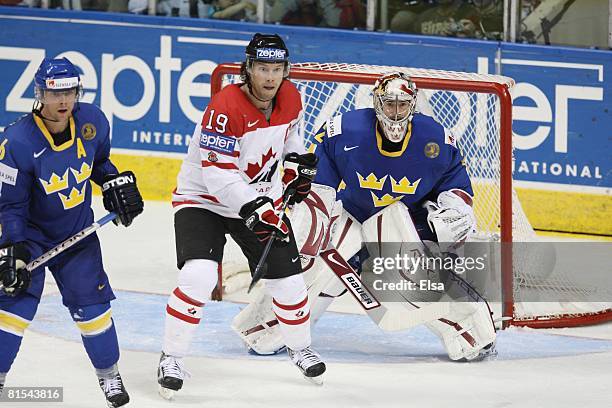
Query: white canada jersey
{"x": 235, "y": 154}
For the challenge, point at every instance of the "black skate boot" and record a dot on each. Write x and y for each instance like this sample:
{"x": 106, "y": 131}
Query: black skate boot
{"x": 309, "y": 363}
{"x": 170, "y": 375}
{"x": 114, "y": 391}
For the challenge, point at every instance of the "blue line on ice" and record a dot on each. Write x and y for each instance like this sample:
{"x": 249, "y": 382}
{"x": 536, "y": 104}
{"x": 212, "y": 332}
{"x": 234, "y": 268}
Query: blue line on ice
{"x": 139, "y": 318}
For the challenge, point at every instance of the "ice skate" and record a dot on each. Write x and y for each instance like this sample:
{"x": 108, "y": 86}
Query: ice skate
{"x": 170, "y": 375}
{"x": 488, "y": 352}
{"x": 114, "y": 391}
{"x": 309, "y": 363}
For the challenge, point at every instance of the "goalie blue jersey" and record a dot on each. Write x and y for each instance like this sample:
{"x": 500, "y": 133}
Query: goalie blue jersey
{"x": 45, "y": 193}
{"x": 368, "y": 178}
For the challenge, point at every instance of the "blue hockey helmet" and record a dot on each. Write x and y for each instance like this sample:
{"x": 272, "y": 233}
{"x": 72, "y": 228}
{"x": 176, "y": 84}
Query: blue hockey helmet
{"x": 56, "y": 75}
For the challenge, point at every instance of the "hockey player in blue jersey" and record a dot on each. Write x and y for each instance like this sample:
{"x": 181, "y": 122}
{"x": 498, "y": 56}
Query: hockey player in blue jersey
{"x": 383, "y": 163}
{"x": 47, "y": 159}
{"x": 389, "y": 153}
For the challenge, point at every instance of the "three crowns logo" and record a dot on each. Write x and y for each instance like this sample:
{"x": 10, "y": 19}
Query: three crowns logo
{"x": 404, "y": 186}
{"x": 371, "y": 182}
{"x": 55, "y": 183}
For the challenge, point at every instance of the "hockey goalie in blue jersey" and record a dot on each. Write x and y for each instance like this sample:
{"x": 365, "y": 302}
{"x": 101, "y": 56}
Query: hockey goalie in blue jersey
{"x": 385, "y": 174}
{"x": 379, "y": 156}
{"x": 47, "y": 159}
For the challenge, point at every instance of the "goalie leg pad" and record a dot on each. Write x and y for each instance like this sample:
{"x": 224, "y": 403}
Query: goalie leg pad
{"x": 311, "y": 219}
{"x": 467, "y": 331}
{"x": 257, "y": 325}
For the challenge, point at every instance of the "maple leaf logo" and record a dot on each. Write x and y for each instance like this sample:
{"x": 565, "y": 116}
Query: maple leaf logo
{"x": 253, "y": 169}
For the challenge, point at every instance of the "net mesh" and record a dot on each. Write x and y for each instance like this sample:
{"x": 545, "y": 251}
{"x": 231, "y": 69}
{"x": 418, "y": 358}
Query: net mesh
{"x": 474, "y": 119}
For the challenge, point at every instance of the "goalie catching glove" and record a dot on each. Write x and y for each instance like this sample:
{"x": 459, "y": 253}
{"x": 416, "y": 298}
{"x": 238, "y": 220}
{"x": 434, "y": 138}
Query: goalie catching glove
{"x": 14, "y": 276}
{"x": 121, "y": 196}
{"x": 261, "y": 218}
{"x": 300, "y": 171}
{"x": 452, "y": 217}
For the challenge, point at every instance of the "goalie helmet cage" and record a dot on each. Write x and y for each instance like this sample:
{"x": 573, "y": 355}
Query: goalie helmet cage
{"x": 477, "y": 108}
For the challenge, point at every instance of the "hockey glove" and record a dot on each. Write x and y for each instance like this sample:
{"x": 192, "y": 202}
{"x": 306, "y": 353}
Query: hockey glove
{"x": 121, "y": 195}
{"x": 261, "y": 218}
{"x": 300, "y": 171}
{"x": 14, "y": 276}
{"x": 451, "y": 218}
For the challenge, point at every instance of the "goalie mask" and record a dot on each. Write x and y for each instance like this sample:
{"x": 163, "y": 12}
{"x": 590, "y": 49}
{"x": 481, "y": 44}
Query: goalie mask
{"x": 395, "y": 98}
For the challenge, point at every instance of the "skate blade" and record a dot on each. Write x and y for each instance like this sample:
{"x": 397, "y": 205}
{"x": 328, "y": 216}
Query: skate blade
{"x": 166, "y": 393}
{"x": 318, "y": 380}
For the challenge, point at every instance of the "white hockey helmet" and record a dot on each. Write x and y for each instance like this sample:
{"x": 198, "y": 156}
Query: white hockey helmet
{"x": 395, "y": 97}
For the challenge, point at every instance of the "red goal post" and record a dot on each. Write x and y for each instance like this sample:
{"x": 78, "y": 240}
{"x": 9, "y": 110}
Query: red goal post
{"x": 501, "y": 214}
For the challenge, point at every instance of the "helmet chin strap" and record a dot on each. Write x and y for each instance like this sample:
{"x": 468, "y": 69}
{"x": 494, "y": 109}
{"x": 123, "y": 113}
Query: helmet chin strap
{"x": 38, "y": 112}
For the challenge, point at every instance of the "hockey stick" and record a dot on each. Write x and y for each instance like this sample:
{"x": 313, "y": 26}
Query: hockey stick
{"x": 389, "y": 319}
{"x": 61, "y": 247}
{"x": 259, "y": 269}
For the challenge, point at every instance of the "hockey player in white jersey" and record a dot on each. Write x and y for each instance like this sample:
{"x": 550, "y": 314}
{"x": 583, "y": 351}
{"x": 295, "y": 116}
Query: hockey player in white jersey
{"x": 387, "y": 162}
{"x": 230, "y": 182}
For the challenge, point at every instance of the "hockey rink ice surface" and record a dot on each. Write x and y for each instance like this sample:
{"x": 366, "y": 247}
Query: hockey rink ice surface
{"x": 366, "y": 367}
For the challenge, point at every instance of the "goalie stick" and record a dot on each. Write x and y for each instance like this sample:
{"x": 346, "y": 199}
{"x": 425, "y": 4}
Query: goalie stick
{"x": 387, "y": 318}
{"x": 61, "y": 247}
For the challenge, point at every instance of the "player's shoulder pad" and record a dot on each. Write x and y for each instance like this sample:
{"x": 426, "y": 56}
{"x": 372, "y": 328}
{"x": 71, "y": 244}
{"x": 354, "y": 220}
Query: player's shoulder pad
{"x": 19, "y": 131}
{"x": 349, "y": 122}
{"x": 289, "y": 95}
{"x": 90, "y": 112}
{"x": 427, "y": 126}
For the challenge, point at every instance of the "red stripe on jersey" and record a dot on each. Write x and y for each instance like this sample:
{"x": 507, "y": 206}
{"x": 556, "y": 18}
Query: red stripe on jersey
{"x": 291, "y": 307}
{"x": 225, "y": 166}
{"x": 294, "y": 322}
{"x": 181, "y": 316}
{"x": 179, "y": 294}
{"x": 233, "y": 154}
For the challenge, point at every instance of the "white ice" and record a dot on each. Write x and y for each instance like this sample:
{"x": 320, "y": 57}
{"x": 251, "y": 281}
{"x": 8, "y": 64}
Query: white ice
{"x": 366, "y": 368}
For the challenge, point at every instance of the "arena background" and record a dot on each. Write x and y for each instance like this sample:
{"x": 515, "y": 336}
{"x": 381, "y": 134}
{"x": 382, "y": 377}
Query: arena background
{"x": 151, "y": 76}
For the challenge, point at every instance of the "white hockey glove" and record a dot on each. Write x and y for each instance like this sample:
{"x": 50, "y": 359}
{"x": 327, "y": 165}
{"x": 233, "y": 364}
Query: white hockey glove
{"x": 451, "y": 218}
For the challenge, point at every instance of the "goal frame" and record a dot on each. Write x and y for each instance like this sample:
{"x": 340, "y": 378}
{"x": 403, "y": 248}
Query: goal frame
{"x": 500, "y": 90}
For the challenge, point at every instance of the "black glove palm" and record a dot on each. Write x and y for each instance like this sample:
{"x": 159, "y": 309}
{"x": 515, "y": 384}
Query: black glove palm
{"x": 261, "y": 218}
{"x": 14, "y": 276}
{"x": 121, "y": 195}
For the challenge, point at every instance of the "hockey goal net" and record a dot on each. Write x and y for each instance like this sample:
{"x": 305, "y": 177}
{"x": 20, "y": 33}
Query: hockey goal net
{"x": 477, "y": 108}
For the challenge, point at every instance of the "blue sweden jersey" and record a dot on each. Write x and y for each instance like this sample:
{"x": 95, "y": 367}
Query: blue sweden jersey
{"x": 45, "y": 194}
{"x": 351, "y": 158}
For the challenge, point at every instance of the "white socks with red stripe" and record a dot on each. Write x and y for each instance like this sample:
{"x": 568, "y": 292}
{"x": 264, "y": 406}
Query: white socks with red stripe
{"x": 196, "y": 281}
{"x": 292, "y": 309}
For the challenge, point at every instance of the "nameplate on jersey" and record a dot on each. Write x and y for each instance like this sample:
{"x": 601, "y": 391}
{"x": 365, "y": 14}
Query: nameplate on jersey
{"x": 8, "y": 174}
{"x": 219, "y": 143}
{"x": 334, "y": 126}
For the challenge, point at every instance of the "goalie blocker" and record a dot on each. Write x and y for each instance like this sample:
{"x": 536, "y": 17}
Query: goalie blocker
{"x": 465, "y": 328}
